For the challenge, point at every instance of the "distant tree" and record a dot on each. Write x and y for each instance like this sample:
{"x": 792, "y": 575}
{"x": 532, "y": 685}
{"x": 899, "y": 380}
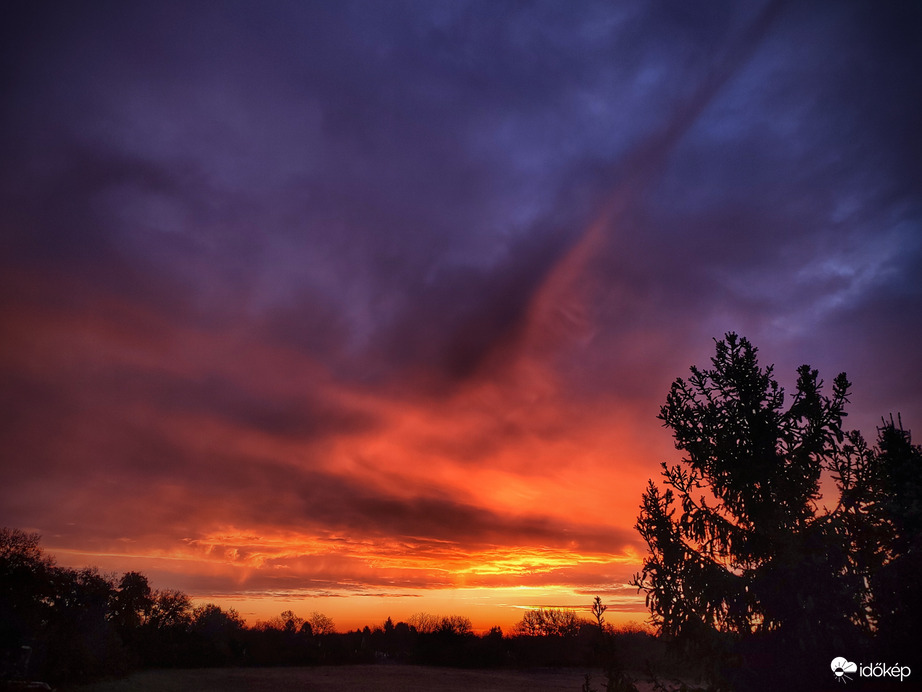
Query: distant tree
{"x": 210, "y": 618}
{"x": 455, "y": 624}
{"x": 80, "y": 640}
{"x": 165, "y": 636}
{"x": 131, "y": 604}
{"x": 392, "y": 640}
{"x": 291, "y": 623}
{"x": 170, "y": 609}
{"x": 321, "y": 624}
{"x": 598, "y": 612}
{"x": 424, "y": 623}
{"x": 549, "y": 622}
{"x": 217, "y": 635}
{"x": 54, "y": 622}
{"x": 27, "y": 587}
{"x": 738, "y": 542}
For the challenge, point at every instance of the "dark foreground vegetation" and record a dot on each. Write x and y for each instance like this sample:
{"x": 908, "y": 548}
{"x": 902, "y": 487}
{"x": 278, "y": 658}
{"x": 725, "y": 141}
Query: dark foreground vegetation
{"x": 67, "y": 626}
{"x": 782, "y": 541}
{"x": 755, "y": 579}
{"x": 353, "y": 678}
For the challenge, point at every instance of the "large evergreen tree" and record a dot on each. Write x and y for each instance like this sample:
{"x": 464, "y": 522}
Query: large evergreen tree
{"x": 739, "y": 540}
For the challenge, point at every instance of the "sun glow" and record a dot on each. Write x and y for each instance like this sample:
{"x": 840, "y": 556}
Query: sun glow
{"x": 359, "y": 581}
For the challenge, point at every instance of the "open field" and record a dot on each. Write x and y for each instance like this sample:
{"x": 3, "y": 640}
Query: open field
{"x": 382, "y": 678}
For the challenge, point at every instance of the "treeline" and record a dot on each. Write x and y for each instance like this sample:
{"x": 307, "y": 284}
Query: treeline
{"x": 60, "y": 624}
{"x": 63, "y": 624}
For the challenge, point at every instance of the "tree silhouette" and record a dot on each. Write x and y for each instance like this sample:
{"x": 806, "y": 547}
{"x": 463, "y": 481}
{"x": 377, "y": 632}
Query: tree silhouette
{"x": 424, "y": 623}
{"x": 896, "y": 602}
{"x": 27, "y": 586}
{"x": 738, "y": 542}
{"x": 290, "y": 622}
{"x": 321, "y": 624}
{"x": 131, "y": 605}
{"x": 170, "y": 609}
{"x": 549, "y": 622}
{"x": 79, "y": 638}
{"x": 598, "y": 612}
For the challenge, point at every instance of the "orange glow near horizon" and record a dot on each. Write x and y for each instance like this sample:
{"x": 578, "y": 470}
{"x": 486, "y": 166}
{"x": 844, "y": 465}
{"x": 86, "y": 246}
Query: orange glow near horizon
{"x": 486, "y": 608}
{"x": 492, "y": 588}
{"x": 505, "y": 493}
{"x": 501, "y": 604}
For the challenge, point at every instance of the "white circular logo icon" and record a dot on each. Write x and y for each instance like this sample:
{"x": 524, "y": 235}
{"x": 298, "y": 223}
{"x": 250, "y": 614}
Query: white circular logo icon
{"x": 841, "y": 666}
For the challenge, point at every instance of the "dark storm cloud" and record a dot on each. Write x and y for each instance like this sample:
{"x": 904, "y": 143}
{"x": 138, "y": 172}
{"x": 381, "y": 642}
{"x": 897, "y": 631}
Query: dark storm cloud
{"x": 300, "y": 417}
{"x": 301, "y": 499}
{"x": 789, "y": 202}
{"x": 436, "y": 189}
{"x": 172, "y": 493}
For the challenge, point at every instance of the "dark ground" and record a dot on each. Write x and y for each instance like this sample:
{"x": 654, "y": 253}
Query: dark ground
{"x": 382, "y": 678}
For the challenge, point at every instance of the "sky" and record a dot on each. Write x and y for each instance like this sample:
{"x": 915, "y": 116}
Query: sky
{"x": 368, "y": 308}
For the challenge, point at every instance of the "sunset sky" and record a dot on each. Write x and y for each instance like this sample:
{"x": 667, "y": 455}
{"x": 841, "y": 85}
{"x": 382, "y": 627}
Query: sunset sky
{"x": 368, "y": 308}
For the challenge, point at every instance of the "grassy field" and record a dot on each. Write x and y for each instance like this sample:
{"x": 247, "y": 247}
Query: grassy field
{"x": 383, "y": 678}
